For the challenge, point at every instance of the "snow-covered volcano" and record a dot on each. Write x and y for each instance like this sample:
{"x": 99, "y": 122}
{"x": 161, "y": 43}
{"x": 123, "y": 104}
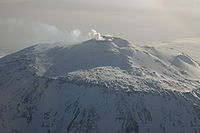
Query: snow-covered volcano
{"x": 99, "y": 86}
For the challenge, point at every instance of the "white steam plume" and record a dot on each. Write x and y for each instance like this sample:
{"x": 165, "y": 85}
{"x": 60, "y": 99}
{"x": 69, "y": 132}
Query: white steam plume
{"x": 16, "y": 34}
{"x": 94, "y": 34}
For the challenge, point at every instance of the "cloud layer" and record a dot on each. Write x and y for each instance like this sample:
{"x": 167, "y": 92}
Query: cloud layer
{"x": 108, "y": 5}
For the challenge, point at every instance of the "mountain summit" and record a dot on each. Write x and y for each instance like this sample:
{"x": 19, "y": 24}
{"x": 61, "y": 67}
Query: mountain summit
{"x": 99, "y": 86}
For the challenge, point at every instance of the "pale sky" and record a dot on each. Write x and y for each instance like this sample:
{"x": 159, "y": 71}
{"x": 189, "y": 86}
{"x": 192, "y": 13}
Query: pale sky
{"x": 26, "y": 22}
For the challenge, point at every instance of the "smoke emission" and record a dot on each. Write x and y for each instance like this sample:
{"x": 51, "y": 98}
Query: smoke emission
{"x": 94, "y": 34}
{"x": 16, "y": 34}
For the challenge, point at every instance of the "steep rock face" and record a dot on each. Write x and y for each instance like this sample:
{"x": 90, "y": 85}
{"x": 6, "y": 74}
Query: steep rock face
{"x": 96, "y": 86}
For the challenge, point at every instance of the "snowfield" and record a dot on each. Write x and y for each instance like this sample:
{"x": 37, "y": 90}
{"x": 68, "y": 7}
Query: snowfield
{"x": 100, "y": 86}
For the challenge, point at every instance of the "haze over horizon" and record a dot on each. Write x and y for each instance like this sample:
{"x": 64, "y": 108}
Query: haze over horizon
{"x": 27, "y": 22}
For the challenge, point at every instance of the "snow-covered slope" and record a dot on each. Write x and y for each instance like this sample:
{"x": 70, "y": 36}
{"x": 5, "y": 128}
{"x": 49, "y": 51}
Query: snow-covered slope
{"x": 102, "y": 86}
